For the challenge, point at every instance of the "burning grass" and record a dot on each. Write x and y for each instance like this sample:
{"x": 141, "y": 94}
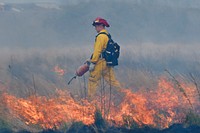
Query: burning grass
{"x": 28, "y": 89}
{"x": 159, "y": 108}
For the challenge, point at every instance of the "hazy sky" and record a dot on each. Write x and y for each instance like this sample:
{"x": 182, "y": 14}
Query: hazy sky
{"x": 22, "y": 1}
{"x": 132, "y": 21}
{"x": 71, "y": 2}
{"x": 174, "y": 3}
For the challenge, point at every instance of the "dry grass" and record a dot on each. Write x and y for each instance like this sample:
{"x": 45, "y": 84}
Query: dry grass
{"x": 140, "y": 67}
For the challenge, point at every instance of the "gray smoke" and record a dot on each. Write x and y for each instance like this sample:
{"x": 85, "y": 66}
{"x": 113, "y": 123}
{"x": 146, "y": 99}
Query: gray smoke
{"x": 68, "y": 22}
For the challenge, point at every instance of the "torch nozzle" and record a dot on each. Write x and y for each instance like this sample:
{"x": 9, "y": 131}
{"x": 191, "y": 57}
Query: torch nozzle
{"x": 71, "y": 79}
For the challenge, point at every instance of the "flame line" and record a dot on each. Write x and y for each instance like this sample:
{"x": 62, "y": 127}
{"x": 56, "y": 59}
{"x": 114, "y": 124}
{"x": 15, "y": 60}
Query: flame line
{"x": 180, "y": 88}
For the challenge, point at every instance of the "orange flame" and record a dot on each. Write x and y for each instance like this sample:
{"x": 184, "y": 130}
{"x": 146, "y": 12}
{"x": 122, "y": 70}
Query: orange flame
{"x": 59, "y": 70}
{"x": 159, "y": 107}
{"x": 49, "y": 113}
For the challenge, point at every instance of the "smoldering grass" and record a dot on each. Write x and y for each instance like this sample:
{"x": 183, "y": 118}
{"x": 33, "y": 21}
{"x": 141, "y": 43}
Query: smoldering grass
{"x": 195, "y": 83}
{"x": 181, "y": 89}
{"x": 192, "y": 119}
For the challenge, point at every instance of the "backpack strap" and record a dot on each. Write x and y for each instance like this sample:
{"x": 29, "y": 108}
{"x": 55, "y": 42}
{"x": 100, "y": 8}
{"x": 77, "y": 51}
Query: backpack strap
{"x": 109, "y": 36}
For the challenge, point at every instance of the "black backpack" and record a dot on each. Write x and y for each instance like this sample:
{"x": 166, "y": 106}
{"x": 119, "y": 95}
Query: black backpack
{"x": 112, "y": 51}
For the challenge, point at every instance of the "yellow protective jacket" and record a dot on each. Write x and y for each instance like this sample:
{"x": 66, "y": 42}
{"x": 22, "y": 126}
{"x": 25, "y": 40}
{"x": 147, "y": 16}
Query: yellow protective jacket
{"x": 99, "y": 45}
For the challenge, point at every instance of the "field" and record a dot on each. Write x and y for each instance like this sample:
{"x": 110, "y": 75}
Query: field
{"x": 160, "y": 90}
{"x": 43, "y": 42}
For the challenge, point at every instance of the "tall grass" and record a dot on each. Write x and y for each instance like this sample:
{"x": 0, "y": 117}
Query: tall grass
{"x": 30, "y": 71}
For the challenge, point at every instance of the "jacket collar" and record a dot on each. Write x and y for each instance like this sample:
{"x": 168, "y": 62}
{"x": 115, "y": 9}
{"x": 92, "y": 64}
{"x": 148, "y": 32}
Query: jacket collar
{"x": 104, "y": 30}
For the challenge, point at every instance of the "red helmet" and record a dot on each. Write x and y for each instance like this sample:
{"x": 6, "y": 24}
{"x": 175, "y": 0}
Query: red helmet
{"x": 99, "y": 20}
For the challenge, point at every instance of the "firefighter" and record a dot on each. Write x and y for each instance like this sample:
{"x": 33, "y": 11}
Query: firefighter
{"x": 97, "y": 65}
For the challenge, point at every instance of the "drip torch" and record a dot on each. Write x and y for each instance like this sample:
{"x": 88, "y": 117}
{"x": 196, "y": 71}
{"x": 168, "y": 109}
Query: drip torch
{"x": 80, "y": 71}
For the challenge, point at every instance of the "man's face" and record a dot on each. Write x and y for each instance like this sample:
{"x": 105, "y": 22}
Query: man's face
{"x": 98, "y": 28}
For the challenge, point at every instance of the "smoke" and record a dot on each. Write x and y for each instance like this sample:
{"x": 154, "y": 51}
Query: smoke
{"x": 27, "y": 1}
{"x": 69, "y": 22}
{"x": 38, "y": 35}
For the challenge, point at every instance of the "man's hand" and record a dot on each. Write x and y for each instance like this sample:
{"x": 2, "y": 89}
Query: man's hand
{"x": 91, "y": 66}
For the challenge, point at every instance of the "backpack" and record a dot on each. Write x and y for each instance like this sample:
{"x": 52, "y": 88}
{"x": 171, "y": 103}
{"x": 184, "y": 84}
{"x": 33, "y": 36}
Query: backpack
{"x": 112, "y": 51}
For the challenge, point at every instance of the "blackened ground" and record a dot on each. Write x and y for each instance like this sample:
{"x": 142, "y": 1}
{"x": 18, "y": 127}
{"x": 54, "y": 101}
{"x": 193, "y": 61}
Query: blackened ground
{"x": 176, "y": 128}
{"x": 80, "y": 128}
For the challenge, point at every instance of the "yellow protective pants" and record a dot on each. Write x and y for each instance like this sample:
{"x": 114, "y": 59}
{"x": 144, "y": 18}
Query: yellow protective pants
{"x": 101, "y": 70}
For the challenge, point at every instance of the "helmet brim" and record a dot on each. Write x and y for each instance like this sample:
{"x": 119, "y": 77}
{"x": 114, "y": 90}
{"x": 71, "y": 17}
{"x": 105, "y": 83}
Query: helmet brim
{"x": 96, "y": 23}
